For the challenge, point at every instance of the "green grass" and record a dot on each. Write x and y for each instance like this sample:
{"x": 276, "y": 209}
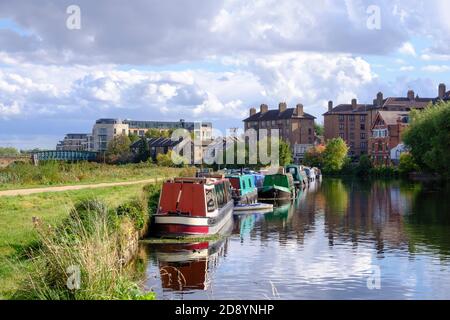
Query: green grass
{"x": 16, "y": 226}
{"x": 19, "y": 176}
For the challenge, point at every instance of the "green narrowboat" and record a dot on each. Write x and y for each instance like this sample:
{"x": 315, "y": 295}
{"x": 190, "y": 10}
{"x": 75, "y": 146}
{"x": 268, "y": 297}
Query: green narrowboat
{"x": 244, "y": 190}
{"x": 298, "y": 174}
{"x": 278, "y": 187}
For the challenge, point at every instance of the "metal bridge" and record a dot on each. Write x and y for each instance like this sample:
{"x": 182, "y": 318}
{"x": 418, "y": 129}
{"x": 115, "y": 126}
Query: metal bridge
{"x": 64, "y": 155}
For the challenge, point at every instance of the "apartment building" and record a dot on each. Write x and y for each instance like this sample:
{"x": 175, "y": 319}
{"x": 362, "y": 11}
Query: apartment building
{"x": 353, "y": 122}
{"x": 386, "y": 133}
{"x": 295, "y": 126}
{"x": 105, "y": 129}
{"x": 75, "y": 142}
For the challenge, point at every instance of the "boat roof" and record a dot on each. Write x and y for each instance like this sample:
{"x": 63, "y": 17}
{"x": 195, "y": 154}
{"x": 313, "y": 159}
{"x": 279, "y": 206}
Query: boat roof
{"x": 201, "y": 180}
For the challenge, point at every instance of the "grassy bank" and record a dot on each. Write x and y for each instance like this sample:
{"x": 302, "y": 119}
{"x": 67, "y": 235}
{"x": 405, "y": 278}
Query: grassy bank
{"x": 59, "y": 173}
{"x": 17, "y": 232}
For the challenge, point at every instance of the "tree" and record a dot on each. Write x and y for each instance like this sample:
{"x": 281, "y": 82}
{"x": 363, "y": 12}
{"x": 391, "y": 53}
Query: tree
{"x": 143, "y": 153}
{"x": 285, "y": 153}
{"x": 314, "y": 156}
{"x": 8, "y": 151}
{"x": 319, "y": 129}
{"x": 428, "y": 138}
{"x": 407, "y": 164}
{"x": 335, "y": 155}
{"x": 133, "y": 137}
{"x": 119, "y": 149}
{"x": 364, "y": 167}
{"x": 155, "y": 133}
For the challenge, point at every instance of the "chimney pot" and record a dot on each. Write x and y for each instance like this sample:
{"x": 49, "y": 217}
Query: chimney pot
{"x": 442, "y": 90}
{"x": 380, "y": 99}
{"x": 252, "y": 111}
{"x": 299, "y": 110}
{"x": 264, "y": 108}
{"x": 282, "y": 107}
{"x": 354, "y": 104}
{"x": 411, "y": 95}
{"x": 330, "y": 106}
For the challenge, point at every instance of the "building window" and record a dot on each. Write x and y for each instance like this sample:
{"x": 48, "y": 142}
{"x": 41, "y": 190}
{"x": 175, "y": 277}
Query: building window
{"x": 274, "y": 123}
{"x": 115, "y": 131}
{"x": 309, "y": 131}
{"x": 363, "y": 136}
{"x": 362, "y": 119}
{"x": 341, "y": 135}
{"x": 363, "y": 145}
{"x": 352, "y": 118}
{"x": 341, "y": 126}
{"x": 352, "y": 135}
{"x": 363, "y": 126}
{"x": 341, "y": 117}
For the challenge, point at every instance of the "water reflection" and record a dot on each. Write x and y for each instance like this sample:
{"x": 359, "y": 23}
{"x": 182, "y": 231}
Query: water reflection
{"x": 323, "y": 246}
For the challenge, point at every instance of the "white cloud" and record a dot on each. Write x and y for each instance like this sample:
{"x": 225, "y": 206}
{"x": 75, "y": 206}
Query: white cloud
{"x": 407, "y": 68}
{"x": 436, "y": 68}
{"x": 408, "y": 49}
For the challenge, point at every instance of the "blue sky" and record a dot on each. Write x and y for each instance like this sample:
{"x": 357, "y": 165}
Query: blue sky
{"x": 212, "y": 61}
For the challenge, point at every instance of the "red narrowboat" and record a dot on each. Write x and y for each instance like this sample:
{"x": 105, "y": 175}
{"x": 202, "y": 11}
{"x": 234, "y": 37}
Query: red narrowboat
{"x": 193, "y": 206}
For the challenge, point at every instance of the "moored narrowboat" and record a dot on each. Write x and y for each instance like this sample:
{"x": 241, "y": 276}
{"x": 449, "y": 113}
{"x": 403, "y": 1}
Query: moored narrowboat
{"x": 193, "y": 206}
{"x": 299, "y": 176}
{"x": 278, "y": 187}
{"x": 243, "y": 189}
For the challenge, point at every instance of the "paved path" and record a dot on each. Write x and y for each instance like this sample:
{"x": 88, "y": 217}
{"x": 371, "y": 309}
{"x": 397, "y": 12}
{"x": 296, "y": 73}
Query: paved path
{"x": 24, "y": 192}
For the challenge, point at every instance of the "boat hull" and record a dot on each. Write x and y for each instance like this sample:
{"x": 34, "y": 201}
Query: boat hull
{"x": 276, "y": 194}
{"x": 248, "y": 198}
{"x": 174, "y": 226}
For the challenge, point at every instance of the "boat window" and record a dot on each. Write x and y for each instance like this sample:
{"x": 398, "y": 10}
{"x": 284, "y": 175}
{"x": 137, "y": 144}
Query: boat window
{"x": 210, "y": 202}
{"x": 243, "y": 185}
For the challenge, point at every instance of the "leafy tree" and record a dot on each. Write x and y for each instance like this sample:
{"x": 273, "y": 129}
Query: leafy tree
{"x": 314, "y": 156}
{"x": 335, "y": 155}
{"x": 143, "y": 153}
{"x": 119, "y": 149}
{"x": 428, "y": 138}
{"x": 285, "y": 153}
{"x": 364, "y": 167}
{"x": 133, "y": 137}
{"x": 319, "y": 129}
{"x": 407, "y": 164}
{"x": 7, "y": 151}
{"x": 155, "y": 133}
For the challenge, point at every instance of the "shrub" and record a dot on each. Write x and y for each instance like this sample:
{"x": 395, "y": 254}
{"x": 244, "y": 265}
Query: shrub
{"x": 364, "y": 167}
{"x": 135, "y": 211}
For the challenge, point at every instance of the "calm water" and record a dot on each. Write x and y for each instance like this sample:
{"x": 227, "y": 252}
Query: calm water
{"x": 327, "y": 245}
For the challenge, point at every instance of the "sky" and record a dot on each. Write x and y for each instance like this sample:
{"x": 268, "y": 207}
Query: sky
{"x": 62, "y": 68}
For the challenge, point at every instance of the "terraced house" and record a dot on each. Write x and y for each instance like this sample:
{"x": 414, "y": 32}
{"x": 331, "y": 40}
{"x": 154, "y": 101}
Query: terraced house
{"x": 355, "y": 122}
{"x": 295, "y": 126}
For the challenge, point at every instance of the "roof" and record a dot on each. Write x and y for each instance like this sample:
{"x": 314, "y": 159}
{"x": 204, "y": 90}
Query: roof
{"x": 391, "y": 117}
{"x": 347, "y": 108}
{"x": 156, "y": 142}
{"x": 277, "y": 115}
{"x": 388, "y": 103}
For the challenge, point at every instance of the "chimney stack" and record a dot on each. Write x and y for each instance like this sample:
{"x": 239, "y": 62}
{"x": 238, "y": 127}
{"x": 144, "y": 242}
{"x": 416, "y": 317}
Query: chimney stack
{"x": 264, "y": 108}
{"x": 282, "y": 107}
{"x": 442, "y": 90}
{"x": 411, "y": 95}
{"x": 299, "y": 110}
{"x": 330, "y": 106}
{"x": 380, "y": 99}
{"x": 252, "y": 112}
{"x": 354, "y": 104}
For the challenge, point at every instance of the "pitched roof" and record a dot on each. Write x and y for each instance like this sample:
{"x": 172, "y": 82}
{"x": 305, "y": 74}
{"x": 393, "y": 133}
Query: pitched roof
{"x": 391, "y": 117}
{"x": 407, "y": 103}
{"x": 277, "y": 115}
{"x": 156, "y": 142}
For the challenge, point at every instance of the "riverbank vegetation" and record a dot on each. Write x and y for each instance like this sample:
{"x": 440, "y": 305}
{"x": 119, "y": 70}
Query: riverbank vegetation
{"x": 97, "y": 233}
{"x": 428, "y": 138}
{"x": 54, "y": 173}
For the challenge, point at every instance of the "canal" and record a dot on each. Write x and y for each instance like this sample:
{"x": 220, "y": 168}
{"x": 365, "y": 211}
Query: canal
{"x": 339, "y": 240}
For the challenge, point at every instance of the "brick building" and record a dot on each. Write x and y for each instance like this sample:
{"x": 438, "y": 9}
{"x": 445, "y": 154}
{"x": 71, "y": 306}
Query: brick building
{"x": 295, "y": 126}
{"x": 353, "y": 122}
{"x": 386, "y": 134}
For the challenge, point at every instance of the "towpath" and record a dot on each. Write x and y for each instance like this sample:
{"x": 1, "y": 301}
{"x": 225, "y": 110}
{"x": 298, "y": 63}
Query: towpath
{"x": 24, "y": 192}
